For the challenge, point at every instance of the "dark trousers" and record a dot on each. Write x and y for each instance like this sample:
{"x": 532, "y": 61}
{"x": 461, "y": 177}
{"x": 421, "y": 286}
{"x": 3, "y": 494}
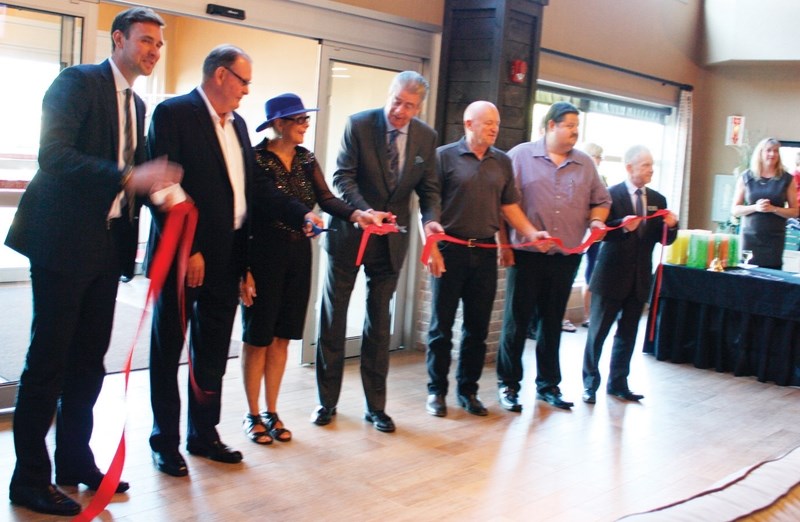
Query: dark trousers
{"x": 339, "y": 281}
{"x": 63, "y": 374}
{"x": 604, "y": 311}
{"x": 537, "y": 284}
{"x": 210, "y": 310}
{"x": 471, "y": 278}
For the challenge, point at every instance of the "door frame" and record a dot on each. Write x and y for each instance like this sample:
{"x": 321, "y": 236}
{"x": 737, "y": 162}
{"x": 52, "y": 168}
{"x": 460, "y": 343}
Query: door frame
{"x": 402, "y": 319}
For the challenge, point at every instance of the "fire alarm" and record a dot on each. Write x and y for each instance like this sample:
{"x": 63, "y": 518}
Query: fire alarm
{"x": 519, "y": 71}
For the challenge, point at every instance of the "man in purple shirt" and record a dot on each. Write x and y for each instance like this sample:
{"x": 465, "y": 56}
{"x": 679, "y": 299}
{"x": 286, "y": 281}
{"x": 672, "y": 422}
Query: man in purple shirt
{"x": 563, "y": 194}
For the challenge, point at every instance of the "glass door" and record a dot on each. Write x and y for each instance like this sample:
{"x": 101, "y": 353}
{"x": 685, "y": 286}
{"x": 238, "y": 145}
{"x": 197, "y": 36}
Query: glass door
{"x": 351, "y": 81}
{"x": 34, "y": 47}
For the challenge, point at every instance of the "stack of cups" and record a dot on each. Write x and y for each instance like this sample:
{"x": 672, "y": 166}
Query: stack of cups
{"x": 727, "y": 249}
{"x": 699, "y": 254}
{"x": 678, "y": 250}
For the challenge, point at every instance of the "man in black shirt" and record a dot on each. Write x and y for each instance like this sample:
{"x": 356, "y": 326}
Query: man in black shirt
{"x": 477, "y": 186}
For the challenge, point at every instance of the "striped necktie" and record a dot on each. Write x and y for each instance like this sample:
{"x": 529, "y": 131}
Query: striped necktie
{"x": 639, "y": 211}
{"x": 127, "y": 149}
{"x": 394, "y": 159}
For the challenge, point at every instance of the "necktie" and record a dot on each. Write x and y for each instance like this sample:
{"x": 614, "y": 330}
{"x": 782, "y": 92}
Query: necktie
{"x": 127, "y": 150}
{"x": 639, "y": 211}
{"x": 127, "y": 147}
{"x": 394, "y": 159}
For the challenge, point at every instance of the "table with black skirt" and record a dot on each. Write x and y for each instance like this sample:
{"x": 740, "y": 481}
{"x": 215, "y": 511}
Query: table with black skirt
{"x": 744, "y": 321}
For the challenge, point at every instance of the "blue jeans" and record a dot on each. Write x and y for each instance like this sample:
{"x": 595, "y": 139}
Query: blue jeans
{"x": 471, "y": 278}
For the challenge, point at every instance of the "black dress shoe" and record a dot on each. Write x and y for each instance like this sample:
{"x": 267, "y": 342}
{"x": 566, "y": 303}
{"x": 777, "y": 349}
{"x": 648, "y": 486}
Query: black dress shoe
{"x": 553, "y": 397}
{"x": 215, "y": 450}
{"x": 436, "y": 405}
{"x": 509, "y": 399}
{"x": 170, "y": 462}
{"x": 380, "y": 420}
{"x": 92, "y": 480}
{"x": 50, "y": 500}
{"x": 323, "y": 416}
{"x": 626, "y": 395}
{"x": 589, "y": 397}
{"x": 473, "y": 404}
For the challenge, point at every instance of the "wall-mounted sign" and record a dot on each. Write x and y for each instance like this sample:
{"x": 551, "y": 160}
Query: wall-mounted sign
{"x": 734, "y": 131}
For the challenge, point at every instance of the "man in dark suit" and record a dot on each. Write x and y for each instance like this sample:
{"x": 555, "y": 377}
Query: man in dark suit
{"x": 75, "y": 226}
{"x": 386, "y": 154}
{"x": 623, "y": 275}
{"x": 201, "y": 132}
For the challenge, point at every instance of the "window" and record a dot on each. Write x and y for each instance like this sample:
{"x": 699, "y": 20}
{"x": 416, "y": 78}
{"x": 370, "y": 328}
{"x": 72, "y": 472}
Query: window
{"x": 616, "y": 124}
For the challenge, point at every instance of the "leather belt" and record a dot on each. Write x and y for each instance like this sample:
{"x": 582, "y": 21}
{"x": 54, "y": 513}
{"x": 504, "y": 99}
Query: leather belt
{"x": 472, "y": 241}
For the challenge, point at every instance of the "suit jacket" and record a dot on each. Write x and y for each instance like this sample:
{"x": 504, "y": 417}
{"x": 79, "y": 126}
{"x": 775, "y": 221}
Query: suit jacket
{"x": 182, "y": 129}
{"x": 62, "y": 219}
{"x": 362, "y": 168}
{"x": 624, "y": 264}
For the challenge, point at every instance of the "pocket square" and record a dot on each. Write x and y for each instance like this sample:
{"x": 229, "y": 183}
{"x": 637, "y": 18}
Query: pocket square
{"x": 418, "y": 160}
{"x": 652, "y": 208}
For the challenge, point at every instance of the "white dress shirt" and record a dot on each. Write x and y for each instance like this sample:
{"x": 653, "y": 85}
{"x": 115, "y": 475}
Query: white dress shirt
{"x": 234, "y": 159}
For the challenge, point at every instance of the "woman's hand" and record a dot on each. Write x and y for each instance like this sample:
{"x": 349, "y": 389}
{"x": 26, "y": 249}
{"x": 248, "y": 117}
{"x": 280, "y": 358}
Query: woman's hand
{"x": 312, "y": 220}
{"x": 247, "y": 289}
{"x": 763, "y": 205}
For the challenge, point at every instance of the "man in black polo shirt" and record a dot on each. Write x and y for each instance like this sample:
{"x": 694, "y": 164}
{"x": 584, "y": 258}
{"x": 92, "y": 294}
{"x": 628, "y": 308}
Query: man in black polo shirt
{"x": 477, "y": 185}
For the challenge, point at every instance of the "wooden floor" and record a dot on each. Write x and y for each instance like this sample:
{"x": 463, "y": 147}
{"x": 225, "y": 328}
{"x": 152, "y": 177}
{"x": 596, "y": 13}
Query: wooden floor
{"x": 596, "y": 463}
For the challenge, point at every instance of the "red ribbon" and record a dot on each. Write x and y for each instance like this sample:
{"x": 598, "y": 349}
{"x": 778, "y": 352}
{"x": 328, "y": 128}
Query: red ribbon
{"x": 657, "y": 289}
{"x": 594, "y": 235}
{"x": 176, "y": 240}
{"x": 378, "y": 230}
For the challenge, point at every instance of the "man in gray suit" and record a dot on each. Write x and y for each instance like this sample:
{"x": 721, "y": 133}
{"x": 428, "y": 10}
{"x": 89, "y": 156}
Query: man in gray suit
{"x": 386, "y": 153}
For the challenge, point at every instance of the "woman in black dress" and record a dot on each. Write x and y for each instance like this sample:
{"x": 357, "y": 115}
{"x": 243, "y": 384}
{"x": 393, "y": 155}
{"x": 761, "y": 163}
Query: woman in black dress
{"x": 276, "y": 288}
{"x": 765, "y": 197}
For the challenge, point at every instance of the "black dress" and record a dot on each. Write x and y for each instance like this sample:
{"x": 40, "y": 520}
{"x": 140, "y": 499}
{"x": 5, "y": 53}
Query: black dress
{"x": 280, "y": 256}
{"x": 764, "y": 232}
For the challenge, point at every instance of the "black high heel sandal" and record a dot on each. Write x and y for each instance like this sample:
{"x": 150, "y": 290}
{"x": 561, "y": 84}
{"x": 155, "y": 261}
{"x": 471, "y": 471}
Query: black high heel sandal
{"x": 249, "y": 425}
{"x": 271, "y": 421}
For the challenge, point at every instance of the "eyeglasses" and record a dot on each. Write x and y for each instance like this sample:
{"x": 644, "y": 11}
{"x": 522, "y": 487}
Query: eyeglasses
{"x": 300, "y": 120}
{"x": 245, "y": 83}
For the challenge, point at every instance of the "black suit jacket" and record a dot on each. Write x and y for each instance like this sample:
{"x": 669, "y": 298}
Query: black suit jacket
{"x": 62, "y": 220}
{"x": 182, "y": 129}
{"x": 624, "y": 264}
{"x": 361, "y": 171}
